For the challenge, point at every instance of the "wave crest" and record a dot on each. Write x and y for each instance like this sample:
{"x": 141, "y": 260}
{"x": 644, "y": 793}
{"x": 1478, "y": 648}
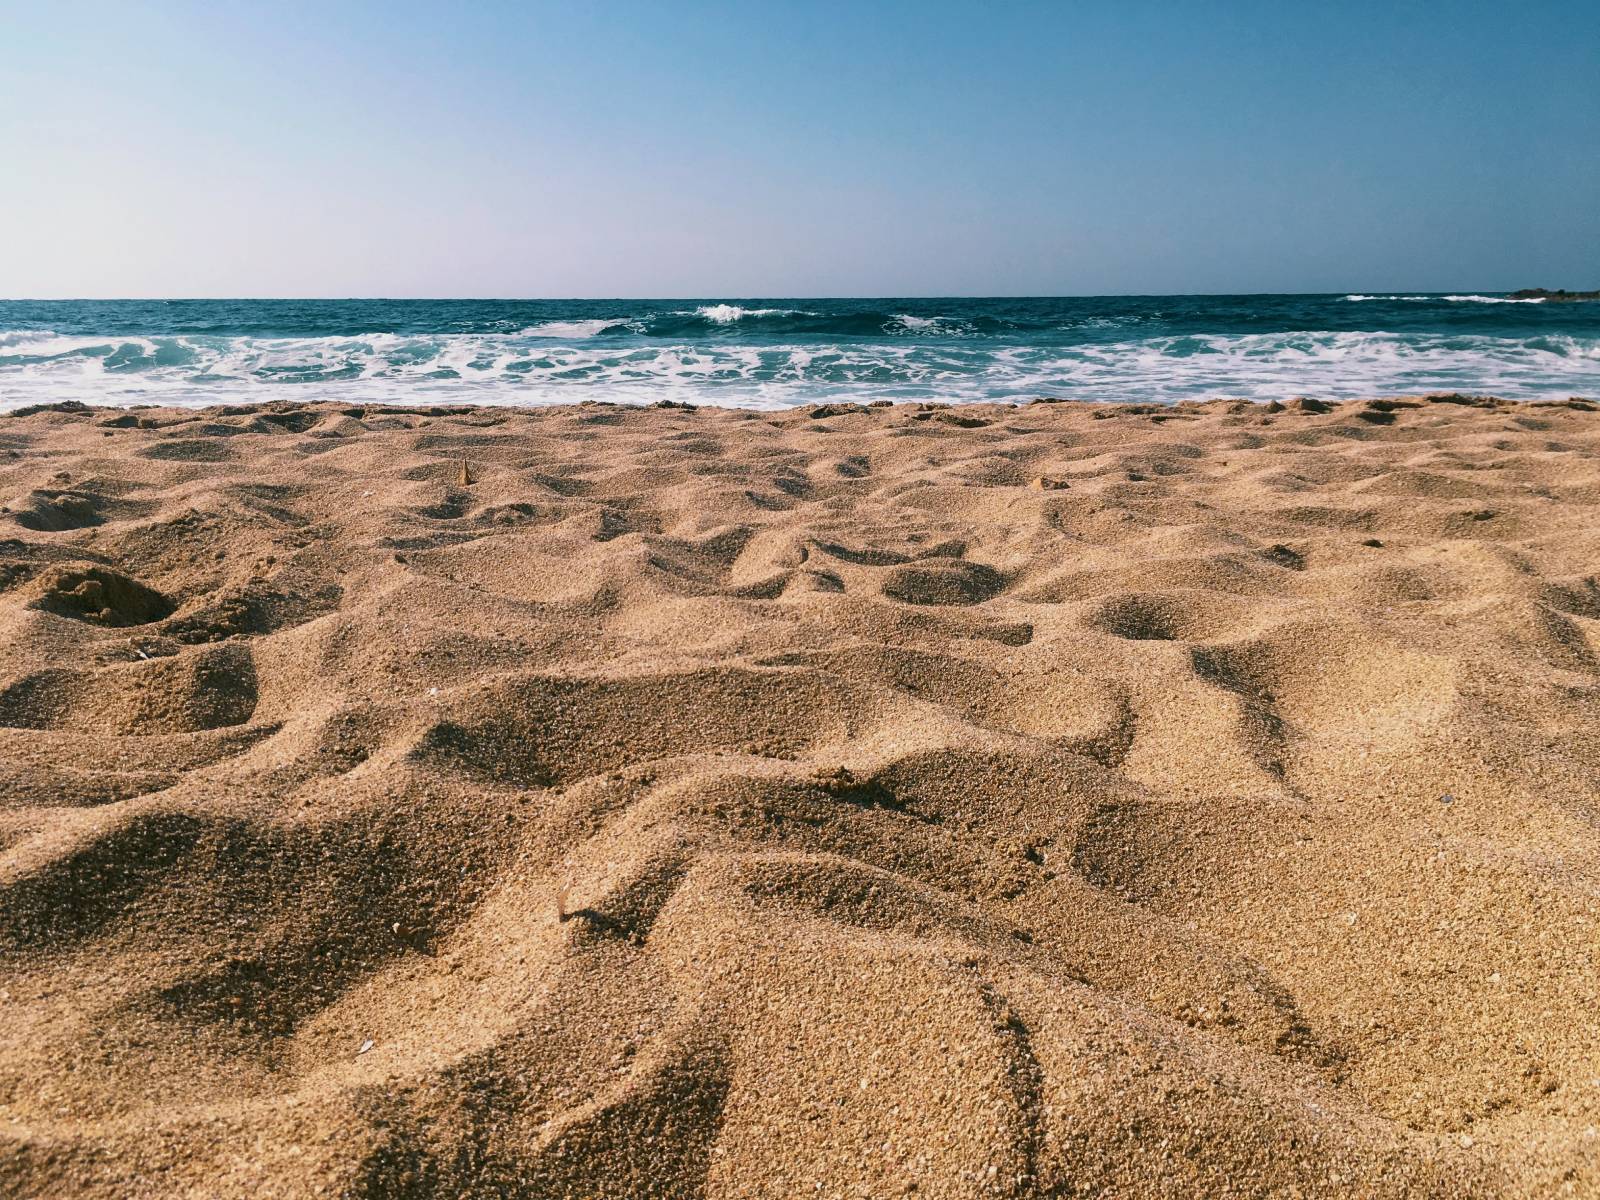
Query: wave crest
{"x": 727, "y": 314}
{"x": 583, "y": 329}
{"x": 1463, "y": 299}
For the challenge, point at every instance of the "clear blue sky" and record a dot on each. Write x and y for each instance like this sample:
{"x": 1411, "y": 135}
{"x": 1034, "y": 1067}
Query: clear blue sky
{"x": 616, "y": 148}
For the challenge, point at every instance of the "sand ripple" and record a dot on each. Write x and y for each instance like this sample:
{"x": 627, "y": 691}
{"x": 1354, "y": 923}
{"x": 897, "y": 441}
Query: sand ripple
{"x": 1001, "y": 801}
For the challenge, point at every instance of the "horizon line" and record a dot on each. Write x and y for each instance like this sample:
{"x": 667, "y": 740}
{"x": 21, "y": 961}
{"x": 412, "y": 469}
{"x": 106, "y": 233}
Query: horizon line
{"x": 762, "y": 296}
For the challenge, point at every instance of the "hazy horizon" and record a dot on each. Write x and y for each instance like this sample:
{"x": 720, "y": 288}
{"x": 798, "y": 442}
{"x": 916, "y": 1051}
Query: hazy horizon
{"x": 358, "y": 150}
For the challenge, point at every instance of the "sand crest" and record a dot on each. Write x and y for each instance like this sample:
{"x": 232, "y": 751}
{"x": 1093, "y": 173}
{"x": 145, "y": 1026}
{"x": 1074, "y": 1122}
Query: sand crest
{"x": 862, "y": 801}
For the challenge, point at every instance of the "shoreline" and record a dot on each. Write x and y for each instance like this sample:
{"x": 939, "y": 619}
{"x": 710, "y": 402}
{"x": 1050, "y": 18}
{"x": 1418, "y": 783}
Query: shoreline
{"x": 833, "y": 407}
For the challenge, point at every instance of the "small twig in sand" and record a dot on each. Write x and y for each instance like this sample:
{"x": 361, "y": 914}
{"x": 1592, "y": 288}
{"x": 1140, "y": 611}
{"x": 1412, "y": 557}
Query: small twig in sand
{"x": 465, "y": 476}
{"x": 562, "y": 893}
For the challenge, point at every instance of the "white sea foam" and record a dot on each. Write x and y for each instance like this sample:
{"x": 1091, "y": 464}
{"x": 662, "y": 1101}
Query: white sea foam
{"x": 727, "y": 314}
{"x": 1472, "y": 299}
{"x": 1494, "y": 300}
{"x": 947, "y": 326}
{"x": 535, "y": 369}
{"x": 579, "y": 329}
{"x": 25, "y": 345}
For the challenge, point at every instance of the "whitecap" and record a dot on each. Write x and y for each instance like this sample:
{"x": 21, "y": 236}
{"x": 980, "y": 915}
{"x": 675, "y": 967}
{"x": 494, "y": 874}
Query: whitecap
{"x": 1493, "y": 299}
{"x": 1464, "y": 299}
{"x": 949, "y": 326}
{"x": 727, "y": 314}
{"x": 579, "y": 329}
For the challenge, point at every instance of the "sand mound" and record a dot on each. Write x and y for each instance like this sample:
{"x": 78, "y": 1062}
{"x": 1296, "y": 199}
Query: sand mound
{"x": 101, "y": 596}
{"x": 858, "y": 801}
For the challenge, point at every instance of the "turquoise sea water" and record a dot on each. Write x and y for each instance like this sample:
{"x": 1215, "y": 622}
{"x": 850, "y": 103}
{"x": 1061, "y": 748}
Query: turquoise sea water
{"x": 774, "y": 353}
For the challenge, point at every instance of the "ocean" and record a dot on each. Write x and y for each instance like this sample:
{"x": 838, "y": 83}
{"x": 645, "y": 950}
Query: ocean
{"x": 774, "y": 353}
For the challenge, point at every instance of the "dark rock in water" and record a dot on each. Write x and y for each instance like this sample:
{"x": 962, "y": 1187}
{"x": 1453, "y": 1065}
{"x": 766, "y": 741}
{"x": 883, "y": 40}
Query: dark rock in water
{"x": 1559, "y": 296}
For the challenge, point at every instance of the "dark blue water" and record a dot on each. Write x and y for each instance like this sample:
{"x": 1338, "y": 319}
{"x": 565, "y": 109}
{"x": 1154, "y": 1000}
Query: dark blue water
{"x": 773, "y": 353}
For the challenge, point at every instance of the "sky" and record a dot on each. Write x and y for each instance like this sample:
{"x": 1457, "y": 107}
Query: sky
{"x": 876, "y": 148}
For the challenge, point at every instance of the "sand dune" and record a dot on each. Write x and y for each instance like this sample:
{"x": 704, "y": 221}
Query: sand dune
{"x": 994, "y": 801}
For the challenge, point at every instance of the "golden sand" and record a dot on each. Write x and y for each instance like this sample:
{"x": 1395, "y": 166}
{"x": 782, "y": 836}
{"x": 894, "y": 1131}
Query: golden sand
{"x": 993, "y": 801}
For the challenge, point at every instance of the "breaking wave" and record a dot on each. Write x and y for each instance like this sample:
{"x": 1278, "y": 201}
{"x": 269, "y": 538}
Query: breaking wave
{"x": 554, "y": 362}
{"x": 1474, "y": 299}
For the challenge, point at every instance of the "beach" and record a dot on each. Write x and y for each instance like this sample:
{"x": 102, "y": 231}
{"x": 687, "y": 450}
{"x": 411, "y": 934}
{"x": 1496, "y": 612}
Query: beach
{"x": 1049, "y": 799}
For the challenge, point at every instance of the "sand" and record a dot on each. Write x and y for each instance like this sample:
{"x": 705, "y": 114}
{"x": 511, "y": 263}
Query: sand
{"x": 996, "y": 801}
